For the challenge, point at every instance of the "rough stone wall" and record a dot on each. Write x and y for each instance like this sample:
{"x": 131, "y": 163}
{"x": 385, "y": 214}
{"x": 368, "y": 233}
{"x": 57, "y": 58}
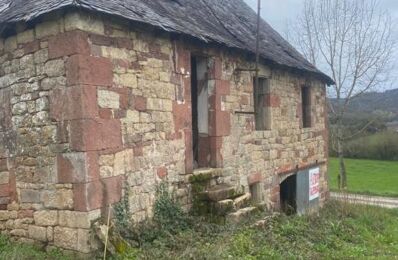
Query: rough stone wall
{"x": 92, "y": 107}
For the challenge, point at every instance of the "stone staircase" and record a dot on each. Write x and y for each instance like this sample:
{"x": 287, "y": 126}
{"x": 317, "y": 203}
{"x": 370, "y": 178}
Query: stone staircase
{"x": 219, "y": 200}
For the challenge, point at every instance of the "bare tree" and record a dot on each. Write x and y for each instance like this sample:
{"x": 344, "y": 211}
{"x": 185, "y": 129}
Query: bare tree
{"x": 352, "y": 41}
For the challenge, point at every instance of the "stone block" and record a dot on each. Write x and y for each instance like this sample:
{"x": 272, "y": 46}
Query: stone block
{"x": 7, "y": 214}
{"x": 10, "y": 44}
{"x": 77, "y": 102}
{"x": 25, "y": 36}
{"x": 30, "y": 196}
{"x": 48, "y": 28}
{"x": 85, "y": 241}
{"x": 97, "y": 194}
{"x": 37, "y": 233}
{"x": 77, "y": 167}
{"x": 222, "y": 87}
{"x": 126, "y": 80}
{"x": 84, "y": 22}
{"x": 95, "y": 135}
{"x": 58, "y": 199}
{"x": 82, "y": 69}
{"x": 220, "y": 123}
{"x": 54, "y": 68}
{"x": 124, "y": 162}
{"x": 65, "y": 237}
{"x": 69, "y": 43}
{"x": 74, "y": 219}
{"x": 108, "y": 99}
{"x": 215, "y": 68}
{"x": 254, "y": 178}
{"x": 19, "y": 233}
{"x": 139, "y": 103}
{"x": 46, "y": 218}
{"x": 50, "y": 234}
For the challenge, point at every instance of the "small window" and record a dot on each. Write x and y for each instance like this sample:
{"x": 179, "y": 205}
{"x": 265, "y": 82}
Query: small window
{"x": 261, "y": 108}
{"x": 306, "y": 106}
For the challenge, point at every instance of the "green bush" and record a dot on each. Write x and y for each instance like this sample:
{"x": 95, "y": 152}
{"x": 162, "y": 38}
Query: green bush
{"x": 168, "y": 220}
{"x": 168, "y": 214}
{"x": 380, "y": 146}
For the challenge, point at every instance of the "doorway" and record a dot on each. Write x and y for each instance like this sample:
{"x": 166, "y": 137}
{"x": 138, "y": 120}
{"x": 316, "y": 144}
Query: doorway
{"x": 288, "y": 195}
{"x": 200, "y": 112}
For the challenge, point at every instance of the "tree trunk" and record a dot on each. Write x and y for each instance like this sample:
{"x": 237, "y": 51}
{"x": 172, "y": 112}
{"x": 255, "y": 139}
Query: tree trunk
{"x": 342, "y": 178}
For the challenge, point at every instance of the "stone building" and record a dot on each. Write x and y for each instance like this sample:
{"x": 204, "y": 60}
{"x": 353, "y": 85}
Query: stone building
{"x": 104, "y": 99}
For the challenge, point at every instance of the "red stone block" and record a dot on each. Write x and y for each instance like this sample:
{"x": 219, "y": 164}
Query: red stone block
{"x": 77, "y": 102}
{"x": 215, "y": 102}
{"x": 223, "y": 87}
{"x": 182, "y": 116}
{"x": 88, "y": 196}
{"x": 220, "y": 123}
{"x": 105, "y": 113}
{"x": 95, "y": 135}
{"x": 97, "y": 194}
{"x": 4, "y": 190}
{"x": 77, "y": 167}
{"x": 254, "y": 178}
{"x": 81, "y": 69}
{"x": 69, "y": 43}
{"x": 139, "y": 103}
{"x": 215, "y": 70}
{"x": 217, "y": 160}
{"x": 13, "y": 186}
{"x": 183, "y": 56}
{"x": 215, "y": 142}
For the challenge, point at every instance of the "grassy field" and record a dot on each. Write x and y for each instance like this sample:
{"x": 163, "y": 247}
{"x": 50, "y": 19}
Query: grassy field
{"x": 367, "y": 176}
{"x": 339, "y": 232}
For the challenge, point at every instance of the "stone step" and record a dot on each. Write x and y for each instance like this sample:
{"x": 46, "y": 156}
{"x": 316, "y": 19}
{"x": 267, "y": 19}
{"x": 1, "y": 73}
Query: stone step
{"x": 240, "y": 215}
{"x": 242, "y": 201}
{"x": 219, "y": 192}
{"x": 205, "y": 175}
{"x": 223, "y": 207}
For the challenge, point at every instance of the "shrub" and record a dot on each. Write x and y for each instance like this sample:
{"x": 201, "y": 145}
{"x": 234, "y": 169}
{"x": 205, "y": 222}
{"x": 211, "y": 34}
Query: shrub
{"x": 381, "y": 146}
{"x": 168, "y": 214}
{"x": 168, "y": 220}
{"x": 122, "y": 214}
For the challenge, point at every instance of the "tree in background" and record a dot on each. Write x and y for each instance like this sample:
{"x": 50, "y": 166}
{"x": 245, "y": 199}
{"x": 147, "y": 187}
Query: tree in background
{"x": 352, "y": 41}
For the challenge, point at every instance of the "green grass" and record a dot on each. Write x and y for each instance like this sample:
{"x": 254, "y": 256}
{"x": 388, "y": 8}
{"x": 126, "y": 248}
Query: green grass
{"x": 15, "y": 251}
{"x": 367, "y": 176}
{"x": 340, "y": 231}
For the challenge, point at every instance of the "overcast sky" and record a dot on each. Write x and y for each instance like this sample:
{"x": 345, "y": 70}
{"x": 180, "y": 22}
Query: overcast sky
{"x": 278, "y": 12}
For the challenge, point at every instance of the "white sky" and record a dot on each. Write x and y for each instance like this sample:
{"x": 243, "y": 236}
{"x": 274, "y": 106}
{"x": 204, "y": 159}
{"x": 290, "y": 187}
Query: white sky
{"x": 279, "y": 12}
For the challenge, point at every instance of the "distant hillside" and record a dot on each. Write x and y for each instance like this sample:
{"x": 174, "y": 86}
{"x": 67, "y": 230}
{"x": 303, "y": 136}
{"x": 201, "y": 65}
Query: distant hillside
{"x": 375, "y": 102}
